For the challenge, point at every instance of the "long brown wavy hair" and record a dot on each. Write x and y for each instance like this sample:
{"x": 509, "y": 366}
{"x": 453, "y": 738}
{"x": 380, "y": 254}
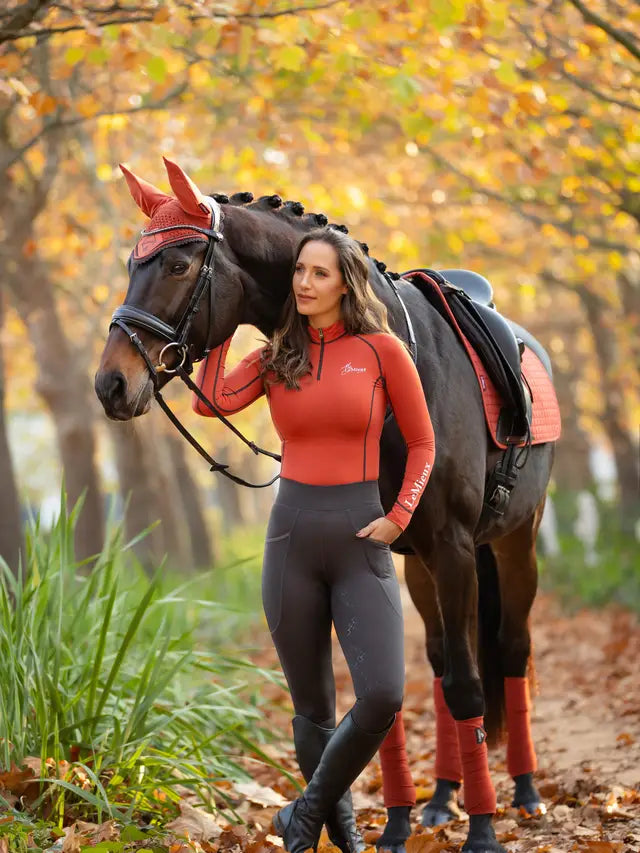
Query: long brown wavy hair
{"x": 287, "y": 356}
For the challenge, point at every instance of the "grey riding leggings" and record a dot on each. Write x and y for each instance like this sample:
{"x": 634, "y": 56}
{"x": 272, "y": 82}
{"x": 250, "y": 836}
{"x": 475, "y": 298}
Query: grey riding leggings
{"x": 316, "y": 573}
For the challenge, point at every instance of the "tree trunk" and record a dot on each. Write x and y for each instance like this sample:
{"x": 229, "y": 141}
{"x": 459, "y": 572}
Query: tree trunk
{"x": 202, "y": 554}
{"x": 571, "y": 467}
{"x": 136, "y": 490}
{"x": 168, "y": 500}
{"x": 11, "y": 542}
{"x": 67, "y": 392}
{"x": 229, "y": 493}
{"x": 614, "y": 416}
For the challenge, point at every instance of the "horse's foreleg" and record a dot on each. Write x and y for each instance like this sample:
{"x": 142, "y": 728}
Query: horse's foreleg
{"x": 518, "y": 578}
{"x": 398, "y": 789}
{"x": 443, "y": 805}
{"x": 454, "y": 565}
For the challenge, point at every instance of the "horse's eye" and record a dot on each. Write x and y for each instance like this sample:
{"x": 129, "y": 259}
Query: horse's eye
{"x": 178, "y": 269}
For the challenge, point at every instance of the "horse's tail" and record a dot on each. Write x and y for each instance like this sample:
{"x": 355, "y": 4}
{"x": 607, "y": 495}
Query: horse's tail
{"x": 489, "y": 657}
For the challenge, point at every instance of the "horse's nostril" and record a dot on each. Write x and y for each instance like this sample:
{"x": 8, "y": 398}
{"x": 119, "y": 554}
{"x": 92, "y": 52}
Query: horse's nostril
{"x": 117, "y": 385}
{"x": 111, "y": 387}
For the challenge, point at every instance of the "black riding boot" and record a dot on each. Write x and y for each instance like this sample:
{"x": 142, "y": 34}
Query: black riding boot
{"x": 346, "y": 755}
{"x": 310, "y": 741}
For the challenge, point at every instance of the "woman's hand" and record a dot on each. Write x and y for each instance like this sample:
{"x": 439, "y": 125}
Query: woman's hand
{"x": 381, "y": 529}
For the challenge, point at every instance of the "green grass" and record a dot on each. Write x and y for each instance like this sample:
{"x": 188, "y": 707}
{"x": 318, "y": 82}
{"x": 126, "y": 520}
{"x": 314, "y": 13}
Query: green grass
{"x": 614, "y": 577}
{"x": 128, "y": 690}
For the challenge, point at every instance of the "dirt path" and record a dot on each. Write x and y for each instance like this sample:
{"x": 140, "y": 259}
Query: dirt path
{"x": 586, "y": 725}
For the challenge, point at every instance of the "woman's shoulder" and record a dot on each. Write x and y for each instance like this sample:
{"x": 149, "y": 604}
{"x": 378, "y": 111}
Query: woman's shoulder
{"x": 383, "y": 341}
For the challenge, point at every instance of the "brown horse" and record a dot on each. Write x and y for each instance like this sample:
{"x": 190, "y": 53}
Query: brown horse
{"x": 218, "y": 263}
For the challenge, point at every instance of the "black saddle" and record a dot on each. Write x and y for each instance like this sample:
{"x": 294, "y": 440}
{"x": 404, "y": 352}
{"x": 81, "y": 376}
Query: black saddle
{"x": 495, "y": 339}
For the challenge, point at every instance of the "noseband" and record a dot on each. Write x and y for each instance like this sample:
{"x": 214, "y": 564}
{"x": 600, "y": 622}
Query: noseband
{"x": 177, "y": 338}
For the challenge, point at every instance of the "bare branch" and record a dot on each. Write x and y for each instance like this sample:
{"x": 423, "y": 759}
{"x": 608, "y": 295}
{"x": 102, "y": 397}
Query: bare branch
{"x": 133, "y": 16}
{"x": 21, "y": 18}
{"x": 547, "y": 51}
{"x": 623, "y": 38}
{"x": 57, "y": 124}
{"x": 566, "y": 227}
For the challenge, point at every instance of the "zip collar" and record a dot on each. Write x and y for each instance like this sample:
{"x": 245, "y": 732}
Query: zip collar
{"x": 329, "y": 333}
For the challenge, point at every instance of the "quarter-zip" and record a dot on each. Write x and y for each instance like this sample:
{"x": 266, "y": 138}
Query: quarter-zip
{"x": 321, "y": 334}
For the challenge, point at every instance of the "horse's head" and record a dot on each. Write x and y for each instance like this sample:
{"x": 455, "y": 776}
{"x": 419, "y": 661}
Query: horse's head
{"x": 183, "y": 295}
{"x": 195, "y": 274}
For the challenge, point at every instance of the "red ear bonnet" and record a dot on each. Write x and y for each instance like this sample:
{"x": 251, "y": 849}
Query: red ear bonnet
{"x": 188, "y": 208}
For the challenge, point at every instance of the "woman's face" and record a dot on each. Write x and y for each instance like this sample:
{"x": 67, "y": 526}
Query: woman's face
{"x": 318, "y": 284}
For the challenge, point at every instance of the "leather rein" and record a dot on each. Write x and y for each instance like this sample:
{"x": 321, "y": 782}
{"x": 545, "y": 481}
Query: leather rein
{"x": 177, "y": 338}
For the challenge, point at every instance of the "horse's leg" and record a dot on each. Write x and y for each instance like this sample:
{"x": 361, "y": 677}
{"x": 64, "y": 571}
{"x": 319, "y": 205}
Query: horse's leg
{"x": 515, "y": 556}
{"x": 454, "y": 566}
{"x": 398, "y": 789}
{"x": 443, "y": 805}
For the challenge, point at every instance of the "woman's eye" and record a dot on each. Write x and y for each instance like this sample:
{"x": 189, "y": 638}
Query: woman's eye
{"x": 320, "y": 272}
{"x": 298, "y": 269}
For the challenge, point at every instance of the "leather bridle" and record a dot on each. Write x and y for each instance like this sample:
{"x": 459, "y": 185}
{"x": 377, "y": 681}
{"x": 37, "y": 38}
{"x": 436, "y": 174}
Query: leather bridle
{"x": 177, "y": 338}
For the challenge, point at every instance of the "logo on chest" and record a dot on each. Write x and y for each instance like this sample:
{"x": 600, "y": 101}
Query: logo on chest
{"x": 349, "y": 368}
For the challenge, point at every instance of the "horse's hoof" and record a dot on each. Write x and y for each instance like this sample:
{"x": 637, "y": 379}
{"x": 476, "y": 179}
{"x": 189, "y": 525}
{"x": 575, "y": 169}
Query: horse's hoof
{"x": 394, "y": 847}
{"x": 482, "y": 838}
{"x": 536, "y": 808}
{"x": 436, "y": 815}
{"x": 526, "y": 797}
{"x": 397, "y": 830}
{"x": 483, "y": 847}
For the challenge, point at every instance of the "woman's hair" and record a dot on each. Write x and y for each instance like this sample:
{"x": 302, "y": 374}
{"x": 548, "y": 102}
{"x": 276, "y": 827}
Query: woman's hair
{"x": 287, "y": 356}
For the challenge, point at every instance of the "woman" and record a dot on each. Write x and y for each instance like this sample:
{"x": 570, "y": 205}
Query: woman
{"x": 329, "y": 373}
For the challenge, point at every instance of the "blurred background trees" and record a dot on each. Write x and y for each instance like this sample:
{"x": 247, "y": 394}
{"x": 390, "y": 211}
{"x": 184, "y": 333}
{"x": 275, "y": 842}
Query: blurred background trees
{"x": 502, "y": 137}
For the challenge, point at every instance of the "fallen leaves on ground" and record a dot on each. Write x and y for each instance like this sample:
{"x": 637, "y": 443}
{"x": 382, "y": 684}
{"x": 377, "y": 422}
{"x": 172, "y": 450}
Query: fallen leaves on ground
{"x": 586, "y": 726}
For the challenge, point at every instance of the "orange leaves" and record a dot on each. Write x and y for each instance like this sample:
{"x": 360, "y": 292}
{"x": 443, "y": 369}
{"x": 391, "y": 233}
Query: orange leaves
{"x": 16, "y": 779}
{"x": 427, "y": 842}
{"x": 43, "y": 104}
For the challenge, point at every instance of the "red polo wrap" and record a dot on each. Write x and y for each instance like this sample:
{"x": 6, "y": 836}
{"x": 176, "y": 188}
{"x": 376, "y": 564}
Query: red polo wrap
{"x": 397, "y": 784}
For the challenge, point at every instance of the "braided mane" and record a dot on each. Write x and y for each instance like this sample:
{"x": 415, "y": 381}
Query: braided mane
{"x": 294, "y": 213}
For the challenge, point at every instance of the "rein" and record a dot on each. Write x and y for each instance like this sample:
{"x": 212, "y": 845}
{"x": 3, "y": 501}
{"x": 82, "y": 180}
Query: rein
{"x": 177, "y": 339}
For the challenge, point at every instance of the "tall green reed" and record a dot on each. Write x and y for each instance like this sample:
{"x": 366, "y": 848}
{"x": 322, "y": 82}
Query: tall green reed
{"x": 100, "y": 668}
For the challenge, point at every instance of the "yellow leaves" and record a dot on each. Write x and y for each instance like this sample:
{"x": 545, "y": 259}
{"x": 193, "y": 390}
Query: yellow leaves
{"x": 157, "y": 69}
{"x": 114, "y": 122}
{"x": 506, "y": 73}
{"x": 104, "y": 172}
{"x": 568, "y": 185}
{"x": 290, "y": 58}
{"x": 559, "y": 102}
{"x": 455, "y": 243}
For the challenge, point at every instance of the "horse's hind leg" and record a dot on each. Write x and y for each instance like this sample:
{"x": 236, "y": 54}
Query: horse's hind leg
{"x": 454, "y": 566}
{"x": 443, "y": 806}
{"x": 516, "y": 560}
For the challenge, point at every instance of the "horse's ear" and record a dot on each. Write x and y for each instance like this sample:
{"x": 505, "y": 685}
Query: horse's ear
{"x": 146, "y": 196}
{"x": 190, "y": 198}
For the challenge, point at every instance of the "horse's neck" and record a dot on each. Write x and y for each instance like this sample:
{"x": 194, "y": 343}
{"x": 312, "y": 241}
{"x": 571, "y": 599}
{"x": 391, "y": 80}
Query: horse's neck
{"x": 263, "y": 249}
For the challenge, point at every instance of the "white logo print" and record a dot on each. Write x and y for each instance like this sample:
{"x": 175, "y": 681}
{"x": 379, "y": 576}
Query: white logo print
{"x": 416, "y": 488}
{"x": 349, "y": 368}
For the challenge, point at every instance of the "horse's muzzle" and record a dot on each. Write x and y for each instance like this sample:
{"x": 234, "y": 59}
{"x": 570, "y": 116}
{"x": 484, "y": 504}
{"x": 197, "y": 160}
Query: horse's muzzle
{"x": 113, "y": 392}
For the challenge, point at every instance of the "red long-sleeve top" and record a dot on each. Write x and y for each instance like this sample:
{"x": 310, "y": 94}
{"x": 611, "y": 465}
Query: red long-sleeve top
{"x": 330, "y": 428}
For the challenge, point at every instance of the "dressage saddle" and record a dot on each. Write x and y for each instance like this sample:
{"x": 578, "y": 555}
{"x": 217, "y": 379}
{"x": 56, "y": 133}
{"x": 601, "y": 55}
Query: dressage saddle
{"x": 498, "y": 342}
